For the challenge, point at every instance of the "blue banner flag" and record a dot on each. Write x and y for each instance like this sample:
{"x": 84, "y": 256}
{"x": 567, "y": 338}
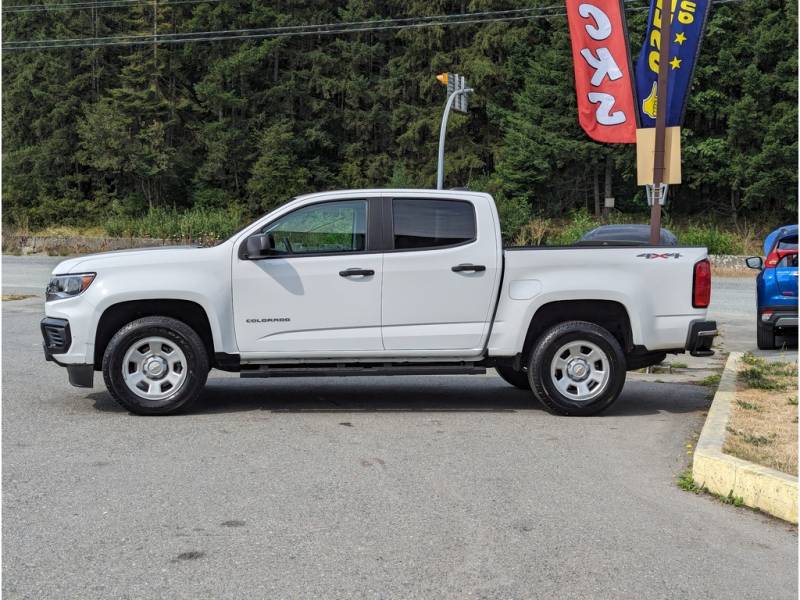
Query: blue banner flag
{"x": 688, "y": 23}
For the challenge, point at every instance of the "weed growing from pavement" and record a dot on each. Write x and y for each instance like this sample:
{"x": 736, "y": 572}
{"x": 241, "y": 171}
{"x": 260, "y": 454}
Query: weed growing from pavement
{"x": 687, "y": 483}
{"x": 711, "y": 380}
{"x": 679, "y": 365}
{"x": 792, "y": 401}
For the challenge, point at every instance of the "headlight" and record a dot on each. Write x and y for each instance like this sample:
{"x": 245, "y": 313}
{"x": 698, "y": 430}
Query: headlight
{"x": 66, "y": 286}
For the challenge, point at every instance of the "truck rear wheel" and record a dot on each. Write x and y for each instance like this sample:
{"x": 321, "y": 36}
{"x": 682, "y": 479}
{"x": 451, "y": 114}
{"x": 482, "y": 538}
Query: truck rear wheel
{"x": 155, "y": 365}
{"x": 516, "y": 378}
{"x": 577, "y": 368}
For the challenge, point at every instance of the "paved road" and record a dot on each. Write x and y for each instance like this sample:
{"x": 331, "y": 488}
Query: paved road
{"x": 378, "y": 488}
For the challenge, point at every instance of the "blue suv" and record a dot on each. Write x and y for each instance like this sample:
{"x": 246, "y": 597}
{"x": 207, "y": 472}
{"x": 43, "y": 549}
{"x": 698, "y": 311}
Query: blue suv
{"x": 776, "y": 286}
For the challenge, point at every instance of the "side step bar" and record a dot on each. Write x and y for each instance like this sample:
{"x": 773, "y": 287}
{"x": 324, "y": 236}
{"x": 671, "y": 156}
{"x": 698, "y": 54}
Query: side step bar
{"x": 360, "y": 369}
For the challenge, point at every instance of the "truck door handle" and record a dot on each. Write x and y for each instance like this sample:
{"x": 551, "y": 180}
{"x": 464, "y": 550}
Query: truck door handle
{"x": 467, "y": 267}
{"x": 355, "y": 272}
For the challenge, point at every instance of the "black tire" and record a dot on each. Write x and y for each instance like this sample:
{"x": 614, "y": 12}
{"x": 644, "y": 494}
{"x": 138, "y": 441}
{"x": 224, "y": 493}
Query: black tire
{"x": 543, "y": 382}
{"x": 174, "y": 332}
{"x": 518, "y": 379}
{"x": 765, "y": 335}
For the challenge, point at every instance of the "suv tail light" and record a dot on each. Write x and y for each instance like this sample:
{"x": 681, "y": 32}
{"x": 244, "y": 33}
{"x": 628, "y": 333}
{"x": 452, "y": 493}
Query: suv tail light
{"x": 773, "y": 259}
{"x": 701, "y": 287}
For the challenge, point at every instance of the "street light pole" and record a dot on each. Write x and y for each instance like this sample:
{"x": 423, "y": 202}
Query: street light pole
{"x": 442, "y": 134}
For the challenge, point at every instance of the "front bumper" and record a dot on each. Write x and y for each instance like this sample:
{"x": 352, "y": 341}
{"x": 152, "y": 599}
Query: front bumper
{"x": 701, "y": 337}
{"x": 58, "y": 340}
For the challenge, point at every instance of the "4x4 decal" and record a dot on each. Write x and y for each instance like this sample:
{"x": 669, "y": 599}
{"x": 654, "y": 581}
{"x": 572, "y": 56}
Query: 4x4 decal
{"x": 650, "y": 255}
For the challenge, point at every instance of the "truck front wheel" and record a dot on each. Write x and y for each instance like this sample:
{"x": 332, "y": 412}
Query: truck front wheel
{"x": 577, "y": 368}
{"x": 516, "y": 378}
{"x": 155, "y": 365}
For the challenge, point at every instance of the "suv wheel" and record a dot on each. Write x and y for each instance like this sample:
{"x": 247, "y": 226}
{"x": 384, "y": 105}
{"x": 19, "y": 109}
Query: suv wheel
{"x": 155, "y": 365}
{"x": 765, "y": 335}
{"x": 577, "y": 368}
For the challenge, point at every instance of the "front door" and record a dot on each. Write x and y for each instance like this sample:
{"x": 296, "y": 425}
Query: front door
{"x": 440, "y": 275}
{"x": 319, "y": 293}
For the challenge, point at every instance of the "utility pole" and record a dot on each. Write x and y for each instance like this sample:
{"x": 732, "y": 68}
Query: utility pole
{"x": 661, "y": 121}
{"x": 457, "y": 91}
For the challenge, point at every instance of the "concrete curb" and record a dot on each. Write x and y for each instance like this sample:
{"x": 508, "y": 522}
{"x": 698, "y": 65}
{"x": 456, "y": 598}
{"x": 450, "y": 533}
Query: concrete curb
{"x": 760, "y": 487}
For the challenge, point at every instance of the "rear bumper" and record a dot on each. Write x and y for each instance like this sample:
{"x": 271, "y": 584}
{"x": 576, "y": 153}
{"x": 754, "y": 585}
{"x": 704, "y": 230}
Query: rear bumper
{"x": 700, "y": 337}
{"x": 779, "y": 317}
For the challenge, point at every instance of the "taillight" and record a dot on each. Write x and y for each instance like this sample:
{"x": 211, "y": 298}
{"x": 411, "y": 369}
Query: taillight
{"x": 701, "y": 287}
{"x": 772, "y": 260}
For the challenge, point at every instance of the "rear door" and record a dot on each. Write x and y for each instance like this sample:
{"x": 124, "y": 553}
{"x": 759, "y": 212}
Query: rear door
{"x": 440, "y": 273}
{"x": 319, "y": 294}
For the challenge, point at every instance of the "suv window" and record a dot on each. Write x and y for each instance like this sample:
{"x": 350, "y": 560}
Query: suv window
{"x": 421, "y": 223}
{"x": 788, "y": 243}
{"x": 339, "y": 226}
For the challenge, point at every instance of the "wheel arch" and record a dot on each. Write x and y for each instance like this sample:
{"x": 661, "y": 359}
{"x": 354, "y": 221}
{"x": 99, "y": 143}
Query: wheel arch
{"x": 120, "y": 314}
{"x": 609, "y": 314}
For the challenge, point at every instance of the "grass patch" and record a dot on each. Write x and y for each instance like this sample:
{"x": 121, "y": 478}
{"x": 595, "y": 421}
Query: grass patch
{"x": 679, "y": 365}
{"x": 12, "y": 297}
{"x": 747, "y": 405}
{"x": 766, "y": 434}
{"x": 759, "y": 374}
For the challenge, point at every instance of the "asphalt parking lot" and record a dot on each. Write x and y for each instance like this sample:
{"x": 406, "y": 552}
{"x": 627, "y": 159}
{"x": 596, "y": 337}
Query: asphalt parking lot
{"x": 402, "y": 487}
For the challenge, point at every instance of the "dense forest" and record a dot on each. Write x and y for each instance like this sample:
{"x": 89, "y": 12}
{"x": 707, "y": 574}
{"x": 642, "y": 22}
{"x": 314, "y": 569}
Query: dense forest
{"x": 93, "y": 131}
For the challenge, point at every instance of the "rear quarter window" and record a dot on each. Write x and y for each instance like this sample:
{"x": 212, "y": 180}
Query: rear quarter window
{"x": 418, "y": 223}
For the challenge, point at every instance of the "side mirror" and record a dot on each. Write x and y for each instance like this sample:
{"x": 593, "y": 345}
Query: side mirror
{"x": 754, "y": 262}
{"x": 260, "y": 244}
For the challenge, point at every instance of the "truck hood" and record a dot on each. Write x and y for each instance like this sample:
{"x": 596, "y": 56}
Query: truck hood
{"x": 121, "y": 258}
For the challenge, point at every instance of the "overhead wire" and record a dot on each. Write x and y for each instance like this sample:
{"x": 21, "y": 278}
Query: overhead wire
{"x": 305, "y": 30}
{"x": 86, "y": 4}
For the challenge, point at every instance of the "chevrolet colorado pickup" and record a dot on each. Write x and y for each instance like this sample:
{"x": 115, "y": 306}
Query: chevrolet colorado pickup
{"x": 376, "y": 282}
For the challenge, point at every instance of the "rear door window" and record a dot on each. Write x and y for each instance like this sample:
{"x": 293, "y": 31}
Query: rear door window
{"x": 419, "y": 223}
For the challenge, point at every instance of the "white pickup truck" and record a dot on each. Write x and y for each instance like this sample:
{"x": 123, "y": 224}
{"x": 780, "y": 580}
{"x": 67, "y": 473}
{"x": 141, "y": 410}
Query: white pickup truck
{"x": 376, "y": 282}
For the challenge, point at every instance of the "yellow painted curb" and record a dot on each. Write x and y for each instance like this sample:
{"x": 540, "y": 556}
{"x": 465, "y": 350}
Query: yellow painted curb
{"x": 760, "y": 487}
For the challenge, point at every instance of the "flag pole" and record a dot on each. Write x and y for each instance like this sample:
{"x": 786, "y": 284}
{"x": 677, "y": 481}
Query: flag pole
{"x": 661, "y": 121}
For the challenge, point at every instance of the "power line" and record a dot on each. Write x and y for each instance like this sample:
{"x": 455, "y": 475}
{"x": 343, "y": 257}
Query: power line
{"x": 320, "y": 29}
{"x": 148, "y": 39}
{"x": 26, "y": 8}
{"x": 303, "y": 30}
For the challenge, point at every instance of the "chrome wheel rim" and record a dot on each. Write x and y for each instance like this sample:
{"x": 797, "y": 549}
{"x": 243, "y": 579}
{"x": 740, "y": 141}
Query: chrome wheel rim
{"x": 580, "y": 370}
{"x": 154, "y": 368}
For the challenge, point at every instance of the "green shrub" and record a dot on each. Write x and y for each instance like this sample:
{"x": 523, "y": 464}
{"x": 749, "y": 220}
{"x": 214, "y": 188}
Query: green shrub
{"x": 712, "y": 237}
{"x": 580, "y": 222}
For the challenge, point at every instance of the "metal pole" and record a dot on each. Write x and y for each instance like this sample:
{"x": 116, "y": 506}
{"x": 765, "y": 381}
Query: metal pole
{"x": 661, "y": 121}
{"x": 442, "y": 133}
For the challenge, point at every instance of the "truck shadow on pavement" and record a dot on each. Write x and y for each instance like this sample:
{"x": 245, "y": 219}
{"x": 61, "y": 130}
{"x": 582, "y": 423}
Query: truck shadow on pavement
{"x": 440, "y": 394}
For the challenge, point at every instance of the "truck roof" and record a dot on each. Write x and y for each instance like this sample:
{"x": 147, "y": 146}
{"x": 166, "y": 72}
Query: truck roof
{"x": 374, "y": 191}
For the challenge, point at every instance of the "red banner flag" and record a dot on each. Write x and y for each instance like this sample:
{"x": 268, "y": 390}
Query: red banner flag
{"x": 603, "y": 81}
